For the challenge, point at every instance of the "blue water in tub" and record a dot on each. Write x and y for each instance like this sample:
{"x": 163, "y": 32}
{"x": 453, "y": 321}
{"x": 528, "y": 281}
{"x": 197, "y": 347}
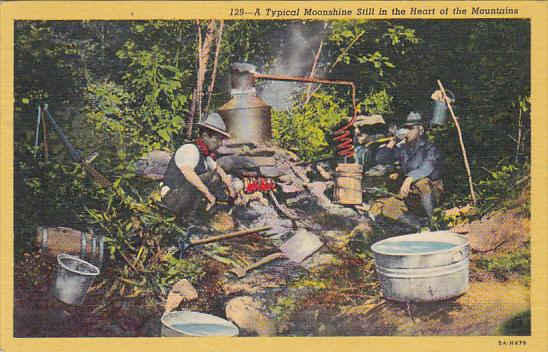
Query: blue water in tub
{"x": 409, "y": 247}
{"x": 205, "y": 329}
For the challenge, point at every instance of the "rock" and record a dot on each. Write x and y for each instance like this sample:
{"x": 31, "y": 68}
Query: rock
{"x": 300, "y": 172}
{"x": 247, "y": 198}
{"x": 302, "y": 245}
{"x": 286, "y": 179}
{"x": 153, "y": 165}
{"x": 323, "y": 172}
{"x": 280, "y": 228}
{"x": 318, "y": 189}
{"x": 305, "y": 202}
{"x": 245, "y": 312}
{"x": 290, "y": 188}
{"x": 338, "y": 210}
{"x": 499, "y": 232}
{"x": 222, "y": 222}
{"x": 270, "y": 171}
{"x": 320, "y": 260}
{"x": 257, "y": 214}
{"x": 185, "y": 289}
{"x": 235, "y": 163}
{"x": 231, "y": 150}
{"x": 363, "y": 230}
{"x": 181, "y": 291}
{"x": 337, "y": 240}
{"x": 238, "y": 287}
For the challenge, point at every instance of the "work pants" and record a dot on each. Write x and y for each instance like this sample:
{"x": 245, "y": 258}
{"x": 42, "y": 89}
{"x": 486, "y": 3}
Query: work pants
{"x": 396, "y": 206}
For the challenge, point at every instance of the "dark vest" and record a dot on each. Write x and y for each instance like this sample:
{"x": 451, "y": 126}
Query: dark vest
{"x": 174, "y": 178}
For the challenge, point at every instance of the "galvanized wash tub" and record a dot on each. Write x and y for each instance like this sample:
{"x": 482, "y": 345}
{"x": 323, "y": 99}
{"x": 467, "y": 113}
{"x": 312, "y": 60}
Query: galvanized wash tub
{"x": 188, "y": 323}
{"x": 426, "y": 266}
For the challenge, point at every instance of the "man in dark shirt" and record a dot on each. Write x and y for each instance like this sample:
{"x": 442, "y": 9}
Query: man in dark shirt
{"x": 419, "y": 160}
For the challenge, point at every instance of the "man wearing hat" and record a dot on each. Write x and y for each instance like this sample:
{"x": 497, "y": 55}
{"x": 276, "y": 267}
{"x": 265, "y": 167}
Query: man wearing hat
{"x": 419, "y": 161}
{"x": 192, "y": 173}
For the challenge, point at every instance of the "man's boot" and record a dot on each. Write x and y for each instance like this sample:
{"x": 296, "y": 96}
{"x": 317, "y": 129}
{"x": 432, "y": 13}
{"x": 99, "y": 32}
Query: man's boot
{"x": 410, "y": 220}
{"x": 428, "y": 203}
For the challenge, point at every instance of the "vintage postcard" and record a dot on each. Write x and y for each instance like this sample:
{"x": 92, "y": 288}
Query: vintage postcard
{"x": 273, "y": 176}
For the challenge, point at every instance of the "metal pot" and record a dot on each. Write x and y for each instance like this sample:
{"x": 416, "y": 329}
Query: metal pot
{"x": 247, "y": 118}
{"x": 246, "y": 115}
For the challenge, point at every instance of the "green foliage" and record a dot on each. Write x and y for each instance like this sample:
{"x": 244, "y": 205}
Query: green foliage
{"x": 134, "y": 81}
{"x": 518, "y": 325}
{"x": 377, "y": 103}
{"x": 516, "y": 263}
{"x": 488, "y": 70}
{"x": 282, "y": 310}
{"x": 304, "y": 128}
{"x": 501, "y": 184}
{"x": 48, "y": 193}
{"x": 138, "y": 238}
{"x": 369, "y": 53}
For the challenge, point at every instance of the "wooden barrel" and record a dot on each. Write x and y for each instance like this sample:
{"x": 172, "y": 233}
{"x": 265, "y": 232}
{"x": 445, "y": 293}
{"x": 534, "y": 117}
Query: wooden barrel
{"x": 53, "y": 241}
{"x": 348, "y": 184}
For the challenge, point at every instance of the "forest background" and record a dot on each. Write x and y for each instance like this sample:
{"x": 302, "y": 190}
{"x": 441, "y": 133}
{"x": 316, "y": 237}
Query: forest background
{"x": 124, "y": 88}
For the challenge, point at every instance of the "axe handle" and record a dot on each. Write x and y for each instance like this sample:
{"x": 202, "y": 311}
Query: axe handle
{"x": 269, "y": 258}
{"x": 228, "y": 235}
{"x": 102, "y": 180}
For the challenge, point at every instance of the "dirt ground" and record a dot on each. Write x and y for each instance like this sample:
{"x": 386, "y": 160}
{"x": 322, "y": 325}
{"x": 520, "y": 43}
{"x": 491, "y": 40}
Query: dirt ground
{"x": 333, "y": 293}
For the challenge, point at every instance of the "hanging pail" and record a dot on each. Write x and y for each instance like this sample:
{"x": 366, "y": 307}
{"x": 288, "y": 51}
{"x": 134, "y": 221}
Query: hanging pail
{"x": 187, "y": 323}
{"x": 439, "y": 114}
{"x": 348, "y": 185}
{"x": 74, "y": 277}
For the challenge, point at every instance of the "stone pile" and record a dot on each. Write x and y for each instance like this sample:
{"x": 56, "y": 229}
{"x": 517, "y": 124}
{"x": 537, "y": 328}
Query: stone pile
{"x": 301, "y": 199}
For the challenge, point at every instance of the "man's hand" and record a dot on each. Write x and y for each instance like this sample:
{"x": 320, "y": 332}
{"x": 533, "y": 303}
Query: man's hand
{"x": 231, "y": 191}
{"x": 211, "y": 200}
{"x": 227, "y": 181}
{"x": 391, "y": 143}
{"x": 406, "y": 187}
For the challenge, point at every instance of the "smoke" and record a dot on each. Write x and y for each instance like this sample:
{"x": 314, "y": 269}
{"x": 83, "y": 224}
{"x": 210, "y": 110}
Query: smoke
{"x": 296, "y": 59}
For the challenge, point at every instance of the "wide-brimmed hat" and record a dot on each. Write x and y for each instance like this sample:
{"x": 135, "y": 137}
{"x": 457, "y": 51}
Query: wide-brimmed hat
{"x": 413, "y": 119}
{"x": 215, "y": 123}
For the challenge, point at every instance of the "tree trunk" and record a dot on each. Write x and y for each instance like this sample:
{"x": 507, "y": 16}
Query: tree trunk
{"x": 204, "y": 49}
{"x": 215, "y": 63}
{"x": 313, "y": 73}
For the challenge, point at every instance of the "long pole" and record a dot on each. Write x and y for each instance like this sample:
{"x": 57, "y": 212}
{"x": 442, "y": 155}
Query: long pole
{"x": 215, "y": 62}
{"x": 461, "y": 142}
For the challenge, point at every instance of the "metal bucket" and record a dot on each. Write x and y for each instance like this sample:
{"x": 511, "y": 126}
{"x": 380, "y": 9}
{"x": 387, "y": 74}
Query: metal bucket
{"x": 423, "y": 275}
{"x": 187, "y": 323}
{"x": 439, "y": 113}
{"x": 74, "y": 277}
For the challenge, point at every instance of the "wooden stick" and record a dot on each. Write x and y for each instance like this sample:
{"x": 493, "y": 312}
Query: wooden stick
{"x": 228, "y": 235}
{"x": 45, "y": 132}
{"x": 466, "y": 165}
{"x": 313, "y": 73}
{"x": 518, "y": 142}
{"x": 215, "y": 63}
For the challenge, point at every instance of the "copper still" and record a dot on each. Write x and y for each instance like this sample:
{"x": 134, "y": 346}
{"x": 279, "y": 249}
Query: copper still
{"x": 246, "y": 115}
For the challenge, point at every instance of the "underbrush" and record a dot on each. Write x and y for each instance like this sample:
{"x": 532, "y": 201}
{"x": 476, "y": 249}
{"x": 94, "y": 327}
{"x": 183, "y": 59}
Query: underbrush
{"x": 505, "y": 266}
